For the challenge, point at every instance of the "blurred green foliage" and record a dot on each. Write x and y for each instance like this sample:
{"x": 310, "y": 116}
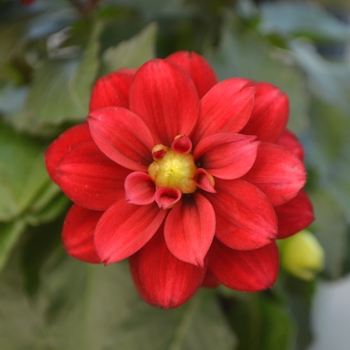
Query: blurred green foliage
{"x": 51, "y": 54}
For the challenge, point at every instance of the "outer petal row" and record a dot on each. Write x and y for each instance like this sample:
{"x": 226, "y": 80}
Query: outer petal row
{"x": 64, "y": 143}
{"x": 277, "y": 172}
{"x": 78, "y": 232}
{"x": 112, "y": 90}
{"x": 270, "y": 114}
{"x": 198, "y": 68}
{"x": 89, "y": 178}
{"x": 245, "y": 219}
{"x": 248, "y": 271}
{"x": 162, "y": 279}
{"x": 294, "y": 215}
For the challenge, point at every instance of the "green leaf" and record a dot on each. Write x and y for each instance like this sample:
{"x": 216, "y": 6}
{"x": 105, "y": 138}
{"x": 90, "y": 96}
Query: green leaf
{"x": 82, "y": 306}
{"x": 199, "y": 324}
{"x": 131, "y": 53}
{"x": 22, "y": 173}
{"x": 9, "y": 235}
{"x": 302, "y": 19}
{"x": 262, "y": 322}
{"x": 60, "y": 91}
{"x": 50, "y": 211}
{"x": 244, "y": 53}
{"x": 11, "y": 40}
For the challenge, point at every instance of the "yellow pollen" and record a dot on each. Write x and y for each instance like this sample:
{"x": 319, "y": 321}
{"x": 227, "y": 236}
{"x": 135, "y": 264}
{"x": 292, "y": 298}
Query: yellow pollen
{"x": 174, "y": 170}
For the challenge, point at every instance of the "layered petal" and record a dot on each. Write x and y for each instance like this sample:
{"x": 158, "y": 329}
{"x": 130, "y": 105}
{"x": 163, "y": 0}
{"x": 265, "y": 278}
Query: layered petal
{"x": 167, "y": 197}
{"x": 112, "y": 90}
{"x": 89, "y": 178}
{"x": 78, "y": 233}
{"x": 226, "y": 155}
{"x": 125, "y": 228}
{"x": 122, "y": 136}
{"x": 245, "y": 219}
{"x": 248, "y": 271}
{"x": 277, "y": 172}
{"x": 189, "y": 229}
{"x": 204, "y": 180}
{"x": 270, "y": 115}
{"x": 165, "y": 97}
{"x": 139, "y": 188}
{"x": 64, "y": 143}
{"x": 198, "y": 68}
{"x": 294, "y": 215}
{"x": 162, "y": 278}
{"x": 226, "y": 107}
{"x": 291, "y": 142}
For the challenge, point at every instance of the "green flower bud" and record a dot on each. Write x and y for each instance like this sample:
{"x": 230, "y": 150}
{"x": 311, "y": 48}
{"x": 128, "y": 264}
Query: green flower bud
{"x": 302, "y": 255}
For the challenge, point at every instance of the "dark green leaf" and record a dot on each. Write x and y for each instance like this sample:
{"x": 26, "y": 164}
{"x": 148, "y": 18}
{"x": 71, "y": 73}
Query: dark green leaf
{"x": 9, "y": 235}
{"x": 81, "y": 306}
{"x": 262, "y": 323}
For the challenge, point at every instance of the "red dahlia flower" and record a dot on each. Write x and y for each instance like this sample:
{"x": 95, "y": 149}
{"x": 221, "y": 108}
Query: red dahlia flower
{"x": 191, "y": 179}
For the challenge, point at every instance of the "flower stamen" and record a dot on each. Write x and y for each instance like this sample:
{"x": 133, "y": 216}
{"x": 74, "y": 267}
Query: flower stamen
{"x": 173, "y": 169}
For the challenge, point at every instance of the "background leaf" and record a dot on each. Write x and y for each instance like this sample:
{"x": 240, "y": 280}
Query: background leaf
{"x": 132, "y": 53}
{"x": 81, "y": 306}
{"x": 302, "y": 19}
{"x": 22, "y": 173}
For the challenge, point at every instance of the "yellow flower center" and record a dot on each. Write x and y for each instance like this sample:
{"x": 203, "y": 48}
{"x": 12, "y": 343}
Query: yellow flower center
{"x": 172, "y": 169}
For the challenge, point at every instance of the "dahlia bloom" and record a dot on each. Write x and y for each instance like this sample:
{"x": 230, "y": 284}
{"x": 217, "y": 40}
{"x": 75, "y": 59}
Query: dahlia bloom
{"x": 189, "y": 178}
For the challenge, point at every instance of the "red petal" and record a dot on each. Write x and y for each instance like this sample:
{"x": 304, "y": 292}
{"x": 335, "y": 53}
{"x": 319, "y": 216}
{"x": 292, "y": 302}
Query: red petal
{"x": 89, "y": 178}
{"x": 182, "y": 144}
{"x": 165, "y": 280}
{"x": 204, "y": 180}
{"x": 291, "y": 142}
{"x": 226, "y": 155}
{"x": 248, "y": 271}
{"x": 294, "y": 215}
{"x": 64, "y": 143}
{"x": 245, "y": 219}
{"x": 78, "y": 231}
{"x": 122, "y": 136}
{"x": 277, "y": 172}
{"x": 189, "y": 229}
{"x": 165, "y": 97}
{"x": 270, "y": 114}
{"x": 139, "y": 188}
{"x": 167, "y": 197}
{"x": 125, "y": 228}
{"x": 111, "y": 90}
{"x": 198, "y": 68}
{"x": 226, "y": 107}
